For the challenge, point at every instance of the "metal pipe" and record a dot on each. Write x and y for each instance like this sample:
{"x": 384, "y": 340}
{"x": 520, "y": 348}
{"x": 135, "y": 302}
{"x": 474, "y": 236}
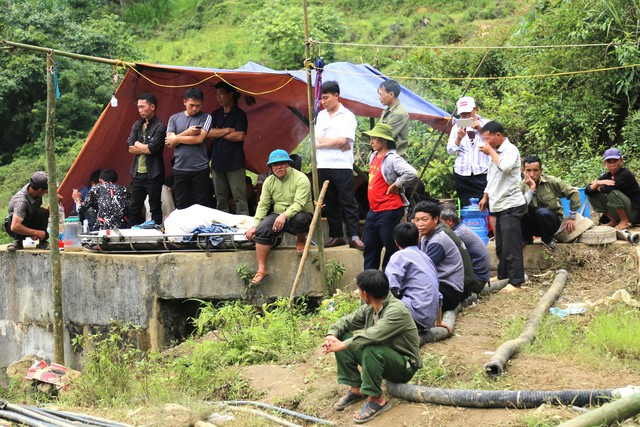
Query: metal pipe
{"x": 508, "y": 349}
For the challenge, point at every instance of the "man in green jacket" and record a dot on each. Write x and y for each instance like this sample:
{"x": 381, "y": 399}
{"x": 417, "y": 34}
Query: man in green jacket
{"x": 289, "y": 191}
{"x": 386, "y": 348}
{"x": 543, "y": 194}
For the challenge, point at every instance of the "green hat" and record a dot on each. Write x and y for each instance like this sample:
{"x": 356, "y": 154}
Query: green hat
{"x": 381, "y": 130}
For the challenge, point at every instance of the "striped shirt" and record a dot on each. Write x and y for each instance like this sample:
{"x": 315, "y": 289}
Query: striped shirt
{"x": 469, "y": 159}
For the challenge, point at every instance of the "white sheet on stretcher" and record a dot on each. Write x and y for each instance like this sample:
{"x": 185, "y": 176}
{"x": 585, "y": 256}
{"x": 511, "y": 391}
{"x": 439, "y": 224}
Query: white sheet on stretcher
{"x": 184, "y": 221}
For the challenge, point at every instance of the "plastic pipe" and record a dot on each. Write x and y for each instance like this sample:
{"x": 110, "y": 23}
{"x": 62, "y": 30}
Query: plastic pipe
{"x": 275, "y": 408}
{"x": 628, "y": 236}
{"x": 517, "y": 399}
{"x": 22, "y": 419}
{"x": 620, "y": 410}
{"x": 84, "y": 418}
{"x": 35, "y": 415}
{"x": 508, "y": 349}
{"x": 262, "y": 415}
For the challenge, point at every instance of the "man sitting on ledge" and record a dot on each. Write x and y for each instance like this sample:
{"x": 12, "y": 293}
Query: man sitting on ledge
{"x": 289, "y": 190}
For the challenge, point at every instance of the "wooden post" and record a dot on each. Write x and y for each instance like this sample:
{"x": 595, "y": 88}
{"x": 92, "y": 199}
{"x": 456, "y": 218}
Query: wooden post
{"x": 312, "y": 140}
{"x": 54, "y": 238}
{"x": 314, "y": 221}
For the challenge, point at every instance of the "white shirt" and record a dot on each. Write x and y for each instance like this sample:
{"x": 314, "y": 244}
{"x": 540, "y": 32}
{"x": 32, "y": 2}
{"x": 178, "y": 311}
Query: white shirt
{"x": 469, "y": 160}
{"x": 503, "y": 179}
{"x": 342, "y": 124}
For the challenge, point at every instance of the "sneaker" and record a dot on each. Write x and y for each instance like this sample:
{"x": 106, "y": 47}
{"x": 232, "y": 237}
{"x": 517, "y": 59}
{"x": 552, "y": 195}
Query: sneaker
{"x": 43, "y": 244}
{"x": 16, "y": 245}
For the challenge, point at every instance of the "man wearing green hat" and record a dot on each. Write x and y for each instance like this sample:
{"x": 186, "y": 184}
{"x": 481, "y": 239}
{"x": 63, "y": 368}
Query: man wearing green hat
{"x": 389, "y": 175}
{"x": 289, "y": 191}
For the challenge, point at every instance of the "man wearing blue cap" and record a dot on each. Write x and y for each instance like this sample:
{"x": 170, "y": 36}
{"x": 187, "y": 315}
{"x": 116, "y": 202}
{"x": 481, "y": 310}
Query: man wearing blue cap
{"x": 289, "y": 191}
{"x": 615, "y": 194}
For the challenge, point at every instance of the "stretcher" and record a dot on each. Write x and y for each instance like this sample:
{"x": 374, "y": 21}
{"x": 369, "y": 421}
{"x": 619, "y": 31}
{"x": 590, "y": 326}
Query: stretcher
{"x": 152, "y": 240}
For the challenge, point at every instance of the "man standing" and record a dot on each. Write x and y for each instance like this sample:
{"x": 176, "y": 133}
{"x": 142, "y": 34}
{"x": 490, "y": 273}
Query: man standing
{"x": 544, "y": 208}
{"x": 395, "y": 115}
{"x": 386, "y": 348}
{"x": 27, "y": 217}
{"x": 108, "y": 199}
{"x": 507, "y": 204}
{"x": 228, "y": 129}
{"x": 186, "y": 134}
{"x": 616, "y": 194}
{"x": 335, "y": 132}
{"x": 289, "y": 191}
{"x": 146, "y": 142}
{"x": 470, "y": 167}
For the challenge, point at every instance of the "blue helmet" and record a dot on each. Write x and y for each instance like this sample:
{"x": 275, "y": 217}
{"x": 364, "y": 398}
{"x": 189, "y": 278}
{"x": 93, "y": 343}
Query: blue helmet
{"x": 278, "y": 156}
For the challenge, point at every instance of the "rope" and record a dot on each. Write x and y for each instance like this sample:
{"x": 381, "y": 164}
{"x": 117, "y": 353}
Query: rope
{"x": 215, "y": 74}
{"x": 449, "y": 47}
{"x": 53, "y": 70}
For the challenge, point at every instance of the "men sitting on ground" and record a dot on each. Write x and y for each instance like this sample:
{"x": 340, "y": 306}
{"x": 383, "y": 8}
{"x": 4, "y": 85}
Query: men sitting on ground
{"x": 289, "y": 191}
{"x": 442, "y": 251}
{"x": 335, "y": 132}
{"x": 228, "y": 130}
{"x": 389, "y": 175}
{"x": 386, "y": 348}
{"x": 108, "y": 199}
{"x": 470, "y": 284}
{"x": 146, "y": 142}
{"x": 543, "y": 194}
{"x": 27, "y": 217}
{"x": 475, "y": 246}
{"x": 187, "y": 134}
{"x": 615, "y": 194}
{"x": 413, "y": 278}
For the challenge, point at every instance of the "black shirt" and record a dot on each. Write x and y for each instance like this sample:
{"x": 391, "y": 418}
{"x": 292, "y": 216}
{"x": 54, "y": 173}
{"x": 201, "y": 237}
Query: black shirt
{"x": 228, "y": 155}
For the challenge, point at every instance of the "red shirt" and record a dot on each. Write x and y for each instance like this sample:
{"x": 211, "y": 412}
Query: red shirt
{"x": 379, "y": 200}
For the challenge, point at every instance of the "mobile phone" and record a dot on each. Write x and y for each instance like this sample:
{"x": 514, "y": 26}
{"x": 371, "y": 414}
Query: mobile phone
{"x": 464, "y": 123}
{"x": 198, "y": 127}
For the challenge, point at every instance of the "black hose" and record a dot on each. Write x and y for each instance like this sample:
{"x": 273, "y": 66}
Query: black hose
{"x": 508, "y": 349}
{"x": 517, "y": 399}
{"x": 84, "y": 418}
{"x": 35, "y": 415}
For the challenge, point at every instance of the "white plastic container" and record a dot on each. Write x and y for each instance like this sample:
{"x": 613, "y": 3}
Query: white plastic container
{"x": 71, "y": 230}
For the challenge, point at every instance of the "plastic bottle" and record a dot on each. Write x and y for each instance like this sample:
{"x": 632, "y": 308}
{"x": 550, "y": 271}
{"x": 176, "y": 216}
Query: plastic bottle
{"x": 474, "y": 219}
{"x": 85, "y": 226}
{"x": 61, "y": 224}
{"x": 71, "y": 231}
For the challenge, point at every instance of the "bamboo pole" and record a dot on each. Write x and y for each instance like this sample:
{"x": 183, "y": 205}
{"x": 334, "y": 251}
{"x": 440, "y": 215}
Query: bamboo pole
{"x": 312, "y": 140}
{"x": 67, "y": 54}
{"x": 54, "y": 250}
{"x": 607, "y": 414}
{"x": 314, "y": 221}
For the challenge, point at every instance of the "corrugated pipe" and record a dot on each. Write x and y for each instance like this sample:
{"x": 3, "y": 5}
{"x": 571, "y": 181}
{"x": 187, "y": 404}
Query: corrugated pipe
{"x": 516, "y": 399}
{"x": 626, "y": 407}
{"x": 508, "y": 349}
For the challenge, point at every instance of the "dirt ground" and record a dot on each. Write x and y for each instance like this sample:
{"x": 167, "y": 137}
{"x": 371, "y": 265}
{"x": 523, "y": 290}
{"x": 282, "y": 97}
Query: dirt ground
{"x": 594, "y": 274}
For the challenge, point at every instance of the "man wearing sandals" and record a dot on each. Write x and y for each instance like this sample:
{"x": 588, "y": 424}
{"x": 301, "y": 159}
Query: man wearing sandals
{"x": 616, "y": 194}
{"x": 386, "y": 348}
{"x": 289, "y": 191}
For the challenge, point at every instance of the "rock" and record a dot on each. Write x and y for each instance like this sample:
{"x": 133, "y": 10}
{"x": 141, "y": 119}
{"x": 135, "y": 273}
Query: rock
{"x": 201, "y": 423}
{"x": 18, "y": 370}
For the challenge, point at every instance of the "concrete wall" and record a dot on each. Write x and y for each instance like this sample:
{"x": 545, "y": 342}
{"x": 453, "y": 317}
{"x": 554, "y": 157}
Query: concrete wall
{"x": 148, "y": 290}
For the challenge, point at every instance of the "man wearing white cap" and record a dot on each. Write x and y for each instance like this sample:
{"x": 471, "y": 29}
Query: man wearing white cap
{"x": 470, "y": 168}
{"x": 27, "y": 217}
{"x": 616, "y": 194}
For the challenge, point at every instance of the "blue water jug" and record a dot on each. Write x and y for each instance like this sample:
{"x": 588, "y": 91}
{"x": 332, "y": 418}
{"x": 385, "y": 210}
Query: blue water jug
{"x": 475, "y": 220}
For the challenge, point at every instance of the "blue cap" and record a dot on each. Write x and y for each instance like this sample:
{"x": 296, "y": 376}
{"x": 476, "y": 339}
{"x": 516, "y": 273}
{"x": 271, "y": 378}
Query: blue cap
{"x": 612, "y": 153}
{"x": 279, "y": 156}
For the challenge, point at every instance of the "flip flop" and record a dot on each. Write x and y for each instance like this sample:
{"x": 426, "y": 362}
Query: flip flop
{"x": 623, "y": 226}
{"x": 300, "y": 247}
{"x": 370, "y": 410}
{"x": 259, "y": 277}
{"x": 348, "y": 399}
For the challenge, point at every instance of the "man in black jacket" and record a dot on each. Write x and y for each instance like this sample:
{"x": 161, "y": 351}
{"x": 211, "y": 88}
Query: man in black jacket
{"x": 615, "y": 194}
{"x": 146, "y": 142}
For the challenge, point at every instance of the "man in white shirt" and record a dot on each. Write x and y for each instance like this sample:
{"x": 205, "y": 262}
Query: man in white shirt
{"x": 335, "y": 131}
{"x": 470, "y": 167}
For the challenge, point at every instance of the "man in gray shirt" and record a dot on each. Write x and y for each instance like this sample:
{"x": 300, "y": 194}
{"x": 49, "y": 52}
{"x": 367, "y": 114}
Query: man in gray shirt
{"x": 186, "y": 134}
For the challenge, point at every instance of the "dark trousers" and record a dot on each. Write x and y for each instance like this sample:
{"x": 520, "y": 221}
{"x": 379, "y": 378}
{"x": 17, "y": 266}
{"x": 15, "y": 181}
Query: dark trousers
{"x": 299, "y": 224}
{"x": 378, "y": 362}
{"x": 509, "y": 244}
{"x": 378, "y": 234}
{"x": 38, "y": 220}
{"x": 141, "y": 186}
{"x": 470, "y": 186}
{"x": 450, "y": 297}
{"x": 340, "y": 201}
{"x": 539, "y": 222}
{"x": 190, "y": 188}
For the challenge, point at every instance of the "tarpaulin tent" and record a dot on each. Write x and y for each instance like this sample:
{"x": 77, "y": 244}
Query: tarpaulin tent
{"x": 275, "y": 102}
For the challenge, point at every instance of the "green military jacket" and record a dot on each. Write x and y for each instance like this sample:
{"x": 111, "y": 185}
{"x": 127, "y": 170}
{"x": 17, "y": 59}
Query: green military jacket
{"x": 394, "y": 328}
{"x": 550, "y": 191}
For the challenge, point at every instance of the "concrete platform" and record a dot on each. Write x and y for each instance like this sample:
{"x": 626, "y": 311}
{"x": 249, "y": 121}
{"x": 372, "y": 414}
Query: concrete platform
{"x": 153, "y": 291}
